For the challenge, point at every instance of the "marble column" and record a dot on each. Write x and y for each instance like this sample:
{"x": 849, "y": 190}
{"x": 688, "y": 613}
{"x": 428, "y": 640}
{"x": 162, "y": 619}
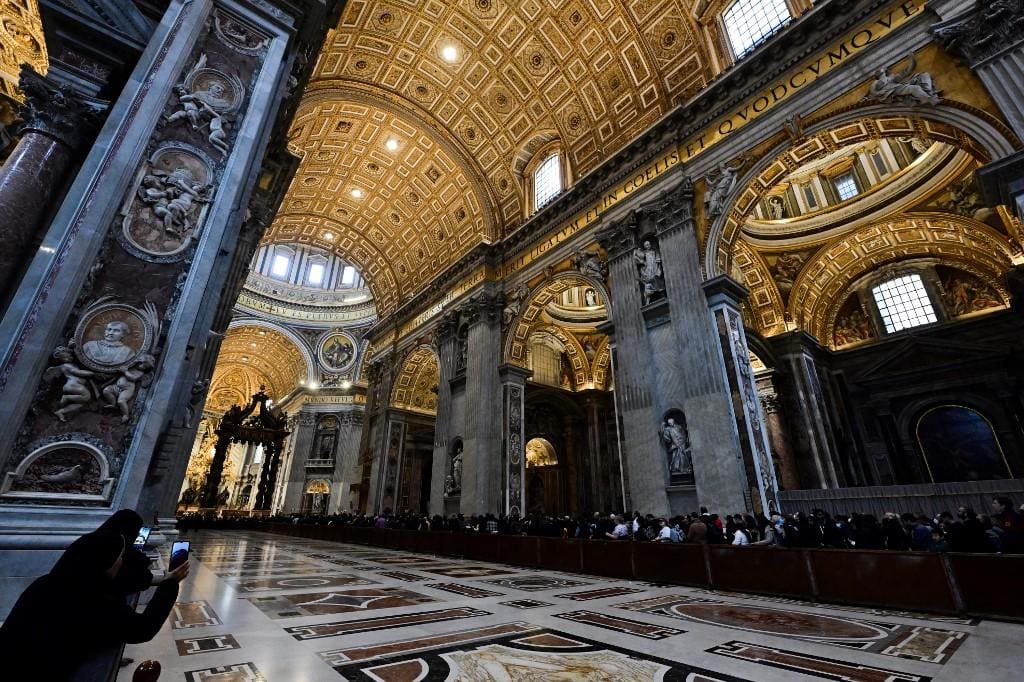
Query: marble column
{"x": 388, "y": 479}
{"x": 644, "y": 470}
{"x": 482, "y": 443}
{"x": 797, "y": 350}
{"x": 513, "y": 392}
{"x": 778, "y": 431}
{"x": 595, "y": 497}
{"x": 725, "y": 296}
{"x": 301, "y": 444}
{"x": 211, "y": 489}
{"x": 444, "y": 344}
{"x": 57, "y": 123}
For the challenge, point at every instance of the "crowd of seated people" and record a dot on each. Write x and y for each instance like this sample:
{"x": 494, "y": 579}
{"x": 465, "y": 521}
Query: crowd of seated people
{"x": 76, "y": 619}
{"x": 966, "y": 531}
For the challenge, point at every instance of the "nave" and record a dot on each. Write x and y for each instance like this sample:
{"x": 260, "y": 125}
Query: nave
{"x": 264, "y": 607}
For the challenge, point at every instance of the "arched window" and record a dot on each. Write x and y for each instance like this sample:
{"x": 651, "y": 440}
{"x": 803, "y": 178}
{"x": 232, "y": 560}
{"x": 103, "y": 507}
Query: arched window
{"x": 547, "y": 181}
{"x": 958, "y": 444}
{"x": 315, "y": 276}
{"x": 281, "y": 265}
{"x": 903, "y": 302}
{"x": 750, "y": 22}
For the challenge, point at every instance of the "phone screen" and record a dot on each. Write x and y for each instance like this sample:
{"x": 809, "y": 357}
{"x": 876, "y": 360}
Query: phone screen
{"x": 142, "y": 538}
{"x": 179, "y": 554}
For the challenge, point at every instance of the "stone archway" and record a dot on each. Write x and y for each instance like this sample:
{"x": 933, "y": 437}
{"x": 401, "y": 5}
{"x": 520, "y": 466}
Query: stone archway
{"x": 967, "y": 129}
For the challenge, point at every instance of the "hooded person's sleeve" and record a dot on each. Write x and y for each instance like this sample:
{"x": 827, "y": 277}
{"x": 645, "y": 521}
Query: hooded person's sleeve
{"x": 133, "y": 627}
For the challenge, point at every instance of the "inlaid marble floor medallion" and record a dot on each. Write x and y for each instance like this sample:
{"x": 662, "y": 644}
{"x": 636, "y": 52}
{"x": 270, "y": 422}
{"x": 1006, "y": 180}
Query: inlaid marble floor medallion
{"x": 348, "y": 627}
{"x": 323, "y": 603}
{"x": 190, "y": 646}
{"x": 891, "y": 639}
{"x": 535, "y": 583}
{"x": 815, "y": 666}
{"x": 329, "y": 611}
{"x": 296, "y": 582}
{"x": 514, "y": 652}
{"x": 239, "y": 672}
{"x": 193, "y": 614}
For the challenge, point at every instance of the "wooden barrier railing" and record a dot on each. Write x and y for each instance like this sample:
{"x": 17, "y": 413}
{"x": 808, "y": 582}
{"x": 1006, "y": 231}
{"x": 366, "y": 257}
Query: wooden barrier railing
{"x": 965, "y": 584}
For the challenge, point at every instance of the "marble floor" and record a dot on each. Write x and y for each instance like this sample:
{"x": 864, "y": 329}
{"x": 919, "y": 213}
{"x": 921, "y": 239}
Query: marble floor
{"x": 266, "y": 607}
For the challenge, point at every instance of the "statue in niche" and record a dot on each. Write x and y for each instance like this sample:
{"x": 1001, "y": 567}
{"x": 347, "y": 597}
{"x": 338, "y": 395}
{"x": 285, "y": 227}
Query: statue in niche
{"x": 590, "y": 264}
{"x": 776, "y": 208}
{"x": 905, "y": 87}
{"x": 121, "y": 393}
{"x": 721, "y": 183}
{"x": 648, "y": 261}
{"x": 590, "y": 298}
{"x": 852, "y": 328}
{"x": 460, "y": 353}
{"x": 173, "y": 197}
{"x": 76, "y": 392}
{"x": 677, "y": 444}
{"x": 457, "y": 471}
{"x": 326, "y": 446}
{"x": 920, "y": 145}
{"x": 208, "y": 99}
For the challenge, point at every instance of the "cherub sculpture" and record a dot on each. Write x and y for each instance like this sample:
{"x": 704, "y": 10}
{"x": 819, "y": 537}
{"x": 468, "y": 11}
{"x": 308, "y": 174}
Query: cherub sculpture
{"x": 121, "y": 393}
{"x": 76, "y": 392}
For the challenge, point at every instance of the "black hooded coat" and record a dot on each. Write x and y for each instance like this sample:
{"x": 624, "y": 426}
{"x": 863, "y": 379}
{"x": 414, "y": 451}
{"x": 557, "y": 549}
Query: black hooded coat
{"x": 75, "y": 612}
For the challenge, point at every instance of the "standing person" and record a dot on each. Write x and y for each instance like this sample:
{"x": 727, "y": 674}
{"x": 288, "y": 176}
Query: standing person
{"x": 621, "y": 531}
{"x": 75, "y": 611}
{"x": 1011, "y": 523}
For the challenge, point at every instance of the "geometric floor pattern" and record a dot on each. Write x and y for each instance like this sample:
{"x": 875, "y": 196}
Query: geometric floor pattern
{"x": 264, "y": 607}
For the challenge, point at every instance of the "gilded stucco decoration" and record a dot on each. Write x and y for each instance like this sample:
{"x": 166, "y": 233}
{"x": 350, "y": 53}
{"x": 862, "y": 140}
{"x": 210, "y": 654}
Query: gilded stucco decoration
{"x": 769, "y": 173}
{"x": 960, "y": 242}
{"x": 462, "y": 89}
{"x": 21, "y": 42}
{"x": 251, "y": 356}
{"x": 416, "y": 386}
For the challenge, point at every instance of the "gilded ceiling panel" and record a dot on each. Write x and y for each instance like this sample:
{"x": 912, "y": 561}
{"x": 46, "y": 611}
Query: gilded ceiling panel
{"x": 21, "y": 42}
{"x": 416, "y": 385}
{"x": 463, "y": 89}
{"x": 251, "y": 356}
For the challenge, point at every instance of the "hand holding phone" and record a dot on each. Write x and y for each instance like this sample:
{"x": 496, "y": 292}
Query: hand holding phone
{"x": 179, "y": 554}
{"x": 142, "y": 538}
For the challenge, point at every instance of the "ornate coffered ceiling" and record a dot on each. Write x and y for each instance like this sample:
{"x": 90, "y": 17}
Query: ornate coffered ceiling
{"x": 469, "y": 89}
{"x": 251, "y": 356}
{"x": 416, "y": 386}
{"x": 21, "y": 42}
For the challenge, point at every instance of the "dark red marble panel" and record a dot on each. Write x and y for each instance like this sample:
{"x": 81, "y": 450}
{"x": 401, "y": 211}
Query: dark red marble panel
{"x": 612, "y": 558}
{"x": 481, "y": 547}
{"x": 559, "y": 555}
{"x": 760, "y": 569}
{"x": 676, "y": 564}
{"x": 986, "y": 586}
{"x": 518, "y": 550}
{"x": 895, "y": 579}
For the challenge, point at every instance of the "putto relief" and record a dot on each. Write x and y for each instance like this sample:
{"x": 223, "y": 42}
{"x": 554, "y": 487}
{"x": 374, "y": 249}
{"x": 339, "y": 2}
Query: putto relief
{"x": 208, "y": 100}
{"x": 110, "y": 357}
{"x": 167, "y": 207}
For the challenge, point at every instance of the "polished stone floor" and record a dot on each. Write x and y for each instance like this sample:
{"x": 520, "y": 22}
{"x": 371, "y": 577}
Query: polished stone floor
{"x": 265, "y": 607}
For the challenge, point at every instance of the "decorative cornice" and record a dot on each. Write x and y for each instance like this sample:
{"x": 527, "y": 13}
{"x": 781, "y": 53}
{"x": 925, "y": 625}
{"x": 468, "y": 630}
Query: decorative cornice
{"x": 56, "y": 111}
{"x": 989, "y": 29}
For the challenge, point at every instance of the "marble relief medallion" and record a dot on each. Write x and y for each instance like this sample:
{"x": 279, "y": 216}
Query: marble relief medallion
{"x": 111, "y": 335}
{"x": 166, "y": 208}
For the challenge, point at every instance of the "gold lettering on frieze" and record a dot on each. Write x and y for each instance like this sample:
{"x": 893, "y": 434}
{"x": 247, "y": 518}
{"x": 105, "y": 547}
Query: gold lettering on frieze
{"x": 308, "y": 315}
{"x": 807, "y": 73}
{"x": 478, "y": 276}
{"x": 783, "y": 89}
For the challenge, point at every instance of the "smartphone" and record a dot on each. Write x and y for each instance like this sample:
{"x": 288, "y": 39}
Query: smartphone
{"x": 179, "y": 554}
{"x": 143, "y": 537}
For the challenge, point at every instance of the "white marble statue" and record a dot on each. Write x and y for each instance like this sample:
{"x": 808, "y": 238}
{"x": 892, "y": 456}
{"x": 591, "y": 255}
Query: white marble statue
{"x": 75, "y": 393}
{"x": 906, "y": 87}
{"x": 678, "y": 445}
{"x": 121, "y": 393}
{"x": 173, "y": 198}
{"x": 721, "y": 183}
{"x": 648, "y": 261}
